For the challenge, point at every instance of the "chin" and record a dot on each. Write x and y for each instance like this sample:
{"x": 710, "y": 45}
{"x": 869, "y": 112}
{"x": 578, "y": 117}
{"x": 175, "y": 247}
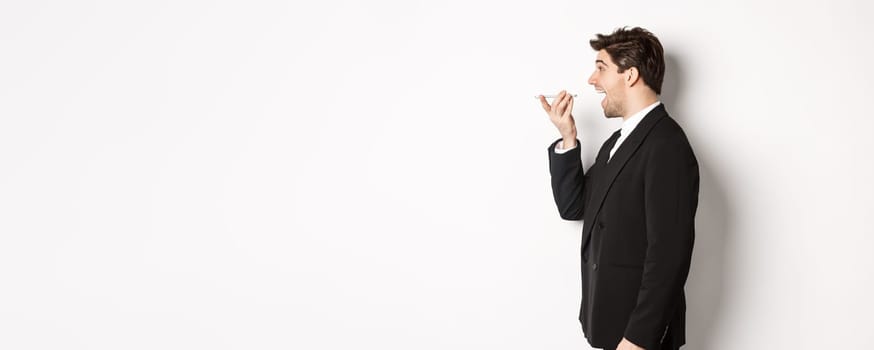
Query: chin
{"x": 611, "y": 114}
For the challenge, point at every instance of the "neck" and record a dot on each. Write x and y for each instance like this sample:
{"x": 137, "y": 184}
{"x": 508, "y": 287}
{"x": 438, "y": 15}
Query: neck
{"x": 636, "y": 105}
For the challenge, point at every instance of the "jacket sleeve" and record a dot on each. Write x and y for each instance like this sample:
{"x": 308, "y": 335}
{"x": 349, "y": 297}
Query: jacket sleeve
{"x": 670, "y": 199}
{"x": 568, "y": 181}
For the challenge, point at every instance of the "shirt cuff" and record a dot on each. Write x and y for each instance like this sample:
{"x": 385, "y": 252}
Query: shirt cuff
{"x": 559, "y": 150}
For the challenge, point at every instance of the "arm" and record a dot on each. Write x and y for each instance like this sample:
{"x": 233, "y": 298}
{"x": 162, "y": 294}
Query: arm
{"x": 671, "y": 199}
{"x": 568, "y": 181}
{"x": 565, "y": 166}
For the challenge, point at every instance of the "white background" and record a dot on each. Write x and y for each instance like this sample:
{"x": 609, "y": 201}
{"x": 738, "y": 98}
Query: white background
{"x": 373, "y": 175}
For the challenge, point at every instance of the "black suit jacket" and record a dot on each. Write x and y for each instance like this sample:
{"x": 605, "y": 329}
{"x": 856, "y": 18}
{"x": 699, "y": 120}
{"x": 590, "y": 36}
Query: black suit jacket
{"x": 638, "y": 213}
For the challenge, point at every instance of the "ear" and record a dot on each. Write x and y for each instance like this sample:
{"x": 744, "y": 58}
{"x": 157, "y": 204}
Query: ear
{"x": 632, "y": 75}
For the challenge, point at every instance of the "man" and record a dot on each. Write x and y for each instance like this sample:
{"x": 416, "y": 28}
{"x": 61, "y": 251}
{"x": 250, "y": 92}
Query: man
{"x": 637, "y": 201}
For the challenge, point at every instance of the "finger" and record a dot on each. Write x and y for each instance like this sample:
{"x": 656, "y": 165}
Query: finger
{"x": 570, "y": 108}
{"x": 546, "y": 106}
{"x": 560, "y": 107}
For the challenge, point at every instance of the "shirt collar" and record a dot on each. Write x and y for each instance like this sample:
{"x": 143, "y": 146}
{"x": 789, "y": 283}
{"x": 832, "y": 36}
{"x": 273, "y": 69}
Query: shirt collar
{"x": 629, "y": 124}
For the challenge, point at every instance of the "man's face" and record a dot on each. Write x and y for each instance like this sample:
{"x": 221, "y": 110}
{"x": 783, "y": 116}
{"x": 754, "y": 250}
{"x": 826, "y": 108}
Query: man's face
{"x": 607, "y": 80}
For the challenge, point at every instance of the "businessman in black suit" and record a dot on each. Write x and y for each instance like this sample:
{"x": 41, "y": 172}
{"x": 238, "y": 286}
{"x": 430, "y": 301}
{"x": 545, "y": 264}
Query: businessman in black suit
{"x": 637, "y": 201}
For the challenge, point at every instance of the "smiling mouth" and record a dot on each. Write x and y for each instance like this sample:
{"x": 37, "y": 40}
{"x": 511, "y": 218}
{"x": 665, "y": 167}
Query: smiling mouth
{"x": 602, "y": 91}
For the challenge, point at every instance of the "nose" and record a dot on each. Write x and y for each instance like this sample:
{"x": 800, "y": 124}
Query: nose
{"x": 592, "y": 80}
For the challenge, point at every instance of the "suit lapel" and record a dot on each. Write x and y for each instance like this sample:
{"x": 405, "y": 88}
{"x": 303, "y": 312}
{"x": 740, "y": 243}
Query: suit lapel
{"x": 612, "y": 168}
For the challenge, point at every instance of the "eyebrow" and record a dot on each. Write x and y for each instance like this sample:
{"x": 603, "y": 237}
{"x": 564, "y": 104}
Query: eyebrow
{"x": 600, "y": 61}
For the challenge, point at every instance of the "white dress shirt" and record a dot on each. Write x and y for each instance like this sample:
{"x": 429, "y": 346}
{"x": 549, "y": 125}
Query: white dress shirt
{"x": 628, "y": 126}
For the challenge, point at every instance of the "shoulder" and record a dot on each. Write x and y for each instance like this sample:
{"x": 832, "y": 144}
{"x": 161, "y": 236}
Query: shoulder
{"x": 667, "y": 139}
{"x": 667, "y": 129}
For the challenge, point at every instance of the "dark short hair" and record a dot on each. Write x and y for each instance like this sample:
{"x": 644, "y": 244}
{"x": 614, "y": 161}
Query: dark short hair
{"x": 635, "y": 47}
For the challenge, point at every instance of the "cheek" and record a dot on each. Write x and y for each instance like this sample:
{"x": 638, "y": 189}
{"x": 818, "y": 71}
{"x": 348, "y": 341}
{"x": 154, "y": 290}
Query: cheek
{"x": 614, "y": 87}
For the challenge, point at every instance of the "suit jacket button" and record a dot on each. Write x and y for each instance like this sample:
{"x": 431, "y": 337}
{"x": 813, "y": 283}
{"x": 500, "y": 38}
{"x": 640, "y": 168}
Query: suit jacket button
{"x": 594, "y": 266}
{"x": 600, "y": 224}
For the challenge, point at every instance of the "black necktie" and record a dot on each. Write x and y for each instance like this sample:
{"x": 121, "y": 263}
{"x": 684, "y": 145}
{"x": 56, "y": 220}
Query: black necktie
{"x": 609, "y": 145}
